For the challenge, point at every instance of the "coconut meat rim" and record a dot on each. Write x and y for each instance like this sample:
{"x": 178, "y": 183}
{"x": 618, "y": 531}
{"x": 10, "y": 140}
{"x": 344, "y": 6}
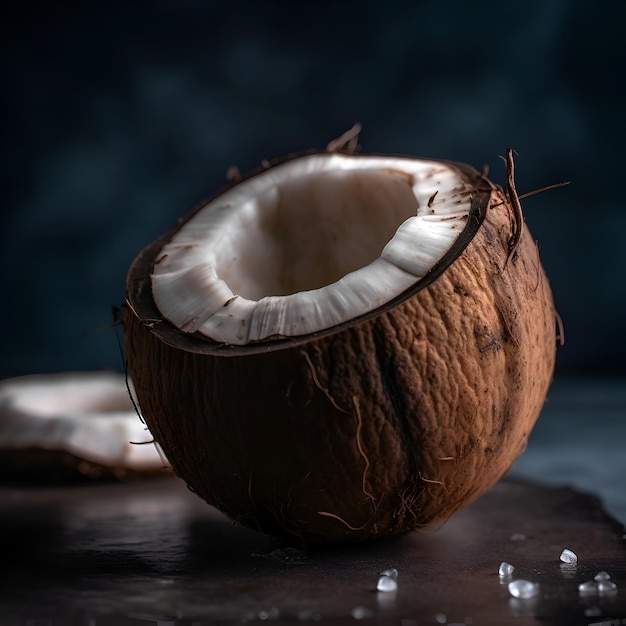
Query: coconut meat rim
{"x": 309, "y": 244}
{"x": 88, "y": 414}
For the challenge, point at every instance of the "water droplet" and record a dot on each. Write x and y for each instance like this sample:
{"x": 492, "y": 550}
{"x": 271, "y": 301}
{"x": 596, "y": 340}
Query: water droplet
{"x": 386, "y": 583}
{"x": 601, "y": 576}
{"x": 441, "y": 618}
{"x": 361, "y": 612}
{"x": 567, "y": 556}
{"x": 273, "y": 613}
{"x": 392, "y": 572}
{"x": 523, "y": 589}
{"x": 506, "y": 569}
{"x": 593, "y": 611}
{"x": 606, "y": 586}
{"x": 588, "y": 587}
{"x": 309, "y": 615}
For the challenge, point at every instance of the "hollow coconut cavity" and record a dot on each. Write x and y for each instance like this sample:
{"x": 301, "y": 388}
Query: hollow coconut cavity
{"x": 310, "y": 244}
{"x": 343, "y": 346}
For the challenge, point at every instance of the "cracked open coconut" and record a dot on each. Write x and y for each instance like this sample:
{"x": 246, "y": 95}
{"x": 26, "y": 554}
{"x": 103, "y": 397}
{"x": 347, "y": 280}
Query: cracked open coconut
{"x": 69, "y": 424}
{"x": 343, "y": 346}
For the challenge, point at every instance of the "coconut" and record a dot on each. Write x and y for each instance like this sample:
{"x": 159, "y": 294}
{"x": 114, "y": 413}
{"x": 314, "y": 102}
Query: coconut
{"x": 70, "y": 424}
{"x": 343, "y": 346}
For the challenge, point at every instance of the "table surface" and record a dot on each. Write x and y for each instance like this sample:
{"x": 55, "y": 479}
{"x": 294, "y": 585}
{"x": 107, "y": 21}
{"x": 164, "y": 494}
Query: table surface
{"x": 148, "y": 551}
{"x": 151, "y": 552}
{"x": 580, "y": 440}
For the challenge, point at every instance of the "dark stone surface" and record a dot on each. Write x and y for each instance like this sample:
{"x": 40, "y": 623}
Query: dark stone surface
{"x": 151, "y": 552}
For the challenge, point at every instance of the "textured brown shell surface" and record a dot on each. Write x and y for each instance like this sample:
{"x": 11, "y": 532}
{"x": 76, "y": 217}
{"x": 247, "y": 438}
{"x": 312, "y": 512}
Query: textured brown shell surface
{"x": 389, "y": 425}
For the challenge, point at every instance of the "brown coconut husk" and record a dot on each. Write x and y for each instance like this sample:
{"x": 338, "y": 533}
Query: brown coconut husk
{"x": 386, "y": 424}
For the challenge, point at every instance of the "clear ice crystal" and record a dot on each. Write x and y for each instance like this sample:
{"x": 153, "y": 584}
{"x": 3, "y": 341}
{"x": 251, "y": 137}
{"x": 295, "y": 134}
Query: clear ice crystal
{"x": 567, "y": 556}
{"x": 588, "y": 587}
{"x": 361, "y": 612}
{"x": 506, "y": 569}
{"x": 601, "y": 586}
{"x": 600, "y": 576}
{"x": 386, "y": 583}
{"x": 606, "y": 586}
{"x": 392, "y": 572}
{"x": 273, "y": 613}
{"x": 307, "y": 615}
{"x": 523, "y": 589}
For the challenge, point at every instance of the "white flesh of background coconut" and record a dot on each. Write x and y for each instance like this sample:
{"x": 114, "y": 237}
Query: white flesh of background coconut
{"x": 88, "y": 414}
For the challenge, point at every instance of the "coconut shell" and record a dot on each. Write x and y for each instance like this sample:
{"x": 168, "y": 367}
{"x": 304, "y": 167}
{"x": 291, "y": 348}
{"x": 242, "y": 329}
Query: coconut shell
{"x": 386, "y": 425}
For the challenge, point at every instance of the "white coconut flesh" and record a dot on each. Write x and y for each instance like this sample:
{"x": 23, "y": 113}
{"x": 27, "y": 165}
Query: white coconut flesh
{"x": 88, "y": 414}
{"x": 309, "y": 244}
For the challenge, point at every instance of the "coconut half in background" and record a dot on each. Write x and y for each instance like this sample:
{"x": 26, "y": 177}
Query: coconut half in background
{"x": 59, "y": 426}
{"x": 343, "y": 346}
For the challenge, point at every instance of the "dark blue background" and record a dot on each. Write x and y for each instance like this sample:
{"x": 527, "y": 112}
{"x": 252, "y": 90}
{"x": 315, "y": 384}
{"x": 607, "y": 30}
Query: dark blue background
{"x": 119, "y": 117}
